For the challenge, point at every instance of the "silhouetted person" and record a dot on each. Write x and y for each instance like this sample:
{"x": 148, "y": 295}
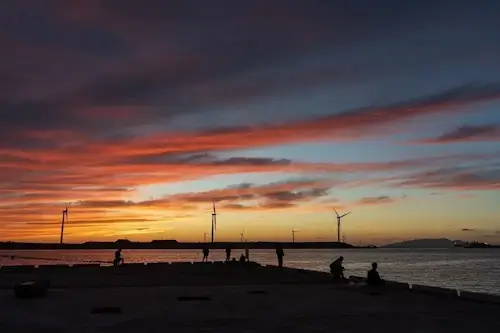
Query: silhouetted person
{"x": 242, "y": 259}
{"x": 337, "y": 269}
{"x": 228, "y": 254}
{"x": 373, "y": 278}
{"x": 118, "y": 258}
{"x": 247, "y": 253}
{"x": 280, "y": 253}
{"x": 206, "y": 252}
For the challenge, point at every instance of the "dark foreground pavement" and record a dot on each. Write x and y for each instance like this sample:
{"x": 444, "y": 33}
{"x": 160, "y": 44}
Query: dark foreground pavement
{"x": 274, "y": 308}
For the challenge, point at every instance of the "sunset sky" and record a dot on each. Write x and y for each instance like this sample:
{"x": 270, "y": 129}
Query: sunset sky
{"x": 140, "y": 113}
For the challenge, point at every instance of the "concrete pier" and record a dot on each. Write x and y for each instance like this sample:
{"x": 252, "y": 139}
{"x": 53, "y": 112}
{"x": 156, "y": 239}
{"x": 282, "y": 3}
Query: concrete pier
{"x": 160, "y": 274}
{"x": 197, "y": 297}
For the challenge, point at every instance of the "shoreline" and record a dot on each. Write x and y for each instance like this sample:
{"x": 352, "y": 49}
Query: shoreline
{"x": 174, "y": 245}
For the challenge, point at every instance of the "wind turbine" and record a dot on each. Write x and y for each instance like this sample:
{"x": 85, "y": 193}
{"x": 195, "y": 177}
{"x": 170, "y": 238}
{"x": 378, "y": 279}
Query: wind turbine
{"x": 339, "y": 217}
{"x": 64, "y": 219}
{"x": 214, "y": 221}
{"x": 242, "y": 235}
{"x": 293, "y": 235}
{"x": 205, "y": 237}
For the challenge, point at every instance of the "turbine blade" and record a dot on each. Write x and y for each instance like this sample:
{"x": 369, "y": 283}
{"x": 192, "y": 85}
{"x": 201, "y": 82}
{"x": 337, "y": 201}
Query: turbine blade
{"x": 336, "y": 212}
{"x": 345, "y": 214}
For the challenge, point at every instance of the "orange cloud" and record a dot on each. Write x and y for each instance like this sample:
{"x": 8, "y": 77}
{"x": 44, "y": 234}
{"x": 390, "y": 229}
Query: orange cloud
{"x": 132, "y": 101}
{"x": 36, "y": 205}
{"x": 95, "y": 213}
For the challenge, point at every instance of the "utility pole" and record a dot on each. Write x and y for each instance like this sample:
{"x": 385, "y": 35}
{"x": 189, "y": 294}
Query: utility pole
{"x": 214, "y": 221}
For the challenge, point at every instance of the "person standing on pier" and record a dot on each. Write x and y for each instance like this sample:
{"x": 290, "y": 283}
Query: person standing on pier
{"x": 280, "y": 254}
{"x": 206, "y": 252}
{"x": 247, "y": 252}
{"x": 118, "y": 258}
{"x": 228, "y": 254}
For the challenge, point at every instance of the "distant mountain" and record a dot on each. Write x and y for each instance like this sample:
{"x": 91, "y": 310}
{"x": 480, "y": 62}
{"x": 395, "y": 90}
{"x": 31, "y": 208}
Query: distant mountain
{"x": 439, "y": 243}
{"x": 460, "y": 243}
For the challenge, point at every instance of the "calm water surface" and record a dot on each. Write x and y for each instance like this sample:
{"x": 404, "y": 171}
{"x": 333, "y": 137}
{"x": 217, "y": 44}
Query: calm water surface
{"x": 464, "y": 269}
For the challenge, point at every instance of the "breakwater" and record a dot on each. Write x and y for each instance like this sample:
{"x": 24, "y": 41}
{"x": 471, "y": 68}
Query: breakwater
{"x": 202, "y": 274}
{"x": 194, "y": 297}
{"x": 159, "y": 274}
{"x": 438, "y": 291}
{"x": 173, "y": 245}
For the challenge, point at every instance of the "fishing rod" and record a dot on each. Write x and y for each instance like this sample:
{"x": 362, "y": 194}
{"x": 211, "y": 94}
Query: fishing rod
{"x": 12, "y": 257}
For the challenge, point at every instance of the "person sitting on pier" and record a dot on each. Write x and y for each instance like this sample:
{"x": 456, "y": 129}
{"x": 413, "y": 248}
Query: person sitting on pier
{"x": 243, "y": 259}
{"x": 373, "y": 278}
{"x": 206, "y": 252}
{"x": 228, "y": 254}
{"x": 118, "y": 258}
{"x": 337, "y": 269}
{"x": 280, "y": 253}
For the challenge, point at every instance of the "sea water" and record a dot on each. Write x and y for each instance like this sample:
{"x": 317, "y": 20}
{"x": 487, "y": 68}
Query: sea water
{"x": 465, "y": 269}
